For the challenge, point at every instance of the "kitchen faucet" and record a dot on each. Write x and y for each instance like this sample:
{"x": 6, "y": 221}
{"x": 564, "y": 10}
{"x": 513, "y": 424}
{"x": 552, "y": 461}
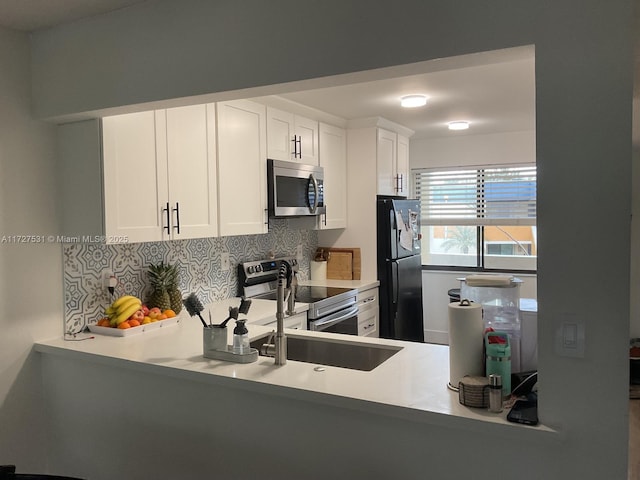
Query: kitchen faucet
{"x": 287, "y": 282}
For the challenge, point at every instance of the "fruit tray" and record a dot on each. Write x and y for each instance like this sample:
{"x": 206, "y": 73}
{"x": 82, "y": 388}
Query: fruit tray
{"x": 119, "y": 332}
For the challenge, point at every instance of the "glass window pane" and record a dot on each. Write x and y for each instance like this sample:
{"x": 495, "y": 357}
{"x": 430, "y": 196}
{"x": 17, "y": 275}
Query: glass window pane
{"x": 449, "y": 245}
{"x": 510, "y": 247}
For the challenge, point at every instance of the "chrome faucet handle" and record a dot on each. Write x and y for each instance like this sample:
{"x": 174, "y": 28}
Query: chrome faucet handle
{"x": 291, "y": 301}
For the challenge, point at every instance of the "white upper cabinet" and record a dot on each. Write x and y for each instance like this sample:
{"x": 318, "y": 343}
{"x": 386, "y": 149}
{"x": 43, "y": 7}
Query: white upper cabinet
{"x": 291, "y": 137}
{"x": 386, "y": 160}
{"x": 145, "y": 176}
{"x": 402, "y": 167}
{"x": 135, "y": 177}
{"x": 166, "y": 154}
{"x": 392, "y": 163}
{"x": 191, "y": 168}
{"x": 333, "y": 158}
{"x": 242, "y": 168}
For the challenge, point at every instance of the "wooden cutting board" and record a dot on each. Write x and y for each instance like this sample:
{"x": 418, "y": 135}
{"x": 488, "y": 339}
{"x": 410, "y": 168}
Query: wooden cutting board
{"x": 344, "y": 263}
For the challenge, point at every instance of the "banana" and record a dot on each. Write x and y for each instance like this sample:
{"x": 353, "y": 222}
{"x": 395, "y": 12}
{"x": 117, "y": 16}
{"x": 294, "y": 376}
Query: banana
{"x": 109, "y": 311}
{"x": 126, "y": 305}
{"x": 125, "y": 314}
{"x": 121, "y": 301}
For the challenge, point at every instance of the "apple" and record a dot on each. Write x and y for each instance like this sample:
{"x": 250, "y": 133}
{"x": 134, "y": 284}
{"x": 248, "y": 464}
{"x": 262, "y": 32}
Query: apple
{"x": 155, "y": 312}
{"x": 145, "y": 310}
{"x": 138, "y": 316}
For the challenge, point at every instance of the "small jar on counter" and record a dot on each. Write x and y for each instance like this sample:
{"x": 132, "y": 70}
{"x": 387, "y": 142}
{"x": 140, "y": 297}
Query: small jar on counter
{"x": 495, "y": 393}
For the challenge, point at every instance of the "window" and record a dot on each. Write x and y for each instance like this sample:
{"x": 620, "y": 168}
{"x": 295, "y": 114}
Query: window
{"x": 478, "y": 218}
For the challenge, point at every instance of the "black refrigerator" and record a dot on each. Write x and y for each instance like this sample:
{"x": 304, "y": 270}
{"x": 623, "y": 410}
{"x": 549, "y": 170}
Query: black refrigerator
{"x": 399, "y": 268}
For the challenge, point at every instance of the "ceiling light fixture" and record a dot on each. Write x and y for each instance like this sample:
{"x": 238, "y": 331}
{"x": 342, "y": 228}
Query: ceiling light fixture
{"x": 458, "y": 125}
{"x": 412, "y": 101}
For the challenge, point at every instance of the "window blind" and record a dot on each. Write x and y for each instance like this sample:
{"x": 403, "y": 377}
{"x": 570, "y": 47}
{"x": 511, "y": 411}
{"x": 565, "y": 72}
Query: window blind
{"x": 491, "y": 195}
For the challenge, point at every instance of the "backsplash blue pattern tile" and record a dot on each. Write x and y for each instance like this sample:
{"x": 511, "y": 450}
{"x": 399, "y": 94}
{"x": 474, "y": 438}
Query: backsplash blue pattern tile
{"x": 199, "y": 261}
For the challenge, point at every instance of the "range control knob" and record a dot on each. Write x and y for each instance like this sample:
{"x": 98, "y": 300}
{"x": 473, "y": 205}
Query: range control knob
{"x": 250, "y": 269}
{"x": 258, "y": 268}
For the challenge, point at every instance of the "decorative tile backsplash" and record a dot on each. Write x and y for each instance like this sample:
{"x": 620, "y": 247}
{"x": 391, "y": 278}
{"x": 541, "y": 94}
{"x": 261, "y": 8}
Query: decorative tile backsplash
{"x": 199, "y": 262}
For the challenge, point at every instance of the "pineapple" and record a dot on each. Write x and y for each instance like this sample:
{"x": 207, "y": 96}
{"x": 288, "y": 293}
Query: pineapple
{"x": 159, "y": 278}
{"x": 175, "y": 295}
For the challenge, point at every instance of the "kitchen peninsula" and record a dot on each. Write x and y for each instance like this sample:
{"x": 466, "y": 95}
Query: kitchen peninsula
{"x": 157, "y": 409}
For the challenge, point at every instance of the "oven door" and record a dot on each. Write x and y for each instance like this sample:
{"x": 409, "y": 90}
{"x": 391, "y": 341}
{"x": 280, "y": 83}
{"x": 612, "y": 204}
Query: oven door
{"x": 344, "y": 321}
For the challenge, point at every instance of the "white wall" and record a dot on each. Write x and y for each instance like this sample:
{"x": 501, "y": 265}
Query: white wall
{"x": 164, "y": 49}
{"x": 635, "y": 226}
{"x": 462, "y": 150}
{"x": 30, "y": 274}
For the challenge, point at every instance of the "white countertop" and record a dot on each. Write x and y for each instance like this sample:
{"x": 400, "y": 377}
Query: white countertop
{"x": 412, "y": 384}
{"x": 360, "y": 285}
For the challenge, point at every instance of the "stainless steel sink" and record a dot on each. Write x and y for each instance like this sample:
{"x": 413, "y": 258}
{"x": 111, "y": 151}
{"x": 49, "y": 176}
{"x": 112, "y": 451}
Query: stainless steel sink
{"x": 334, "y": 352}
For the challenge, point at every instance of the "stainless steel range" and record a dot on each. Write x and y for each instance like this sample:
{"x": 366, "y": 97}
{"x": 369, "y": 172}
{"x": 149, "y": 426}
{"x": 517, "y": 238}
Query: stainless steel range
{"x": 331, "y": 309}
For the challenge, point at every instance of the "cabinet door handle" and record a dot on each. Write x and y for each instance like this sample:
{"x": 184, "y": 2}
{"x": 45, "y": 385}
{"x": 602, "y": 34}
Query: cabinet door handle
{"x": 401, "y": 182}
{"x": 295, "y": 146}
{"x": 167, "y": 227}
{"x": 300, "y": 146}
{"x": 177, "y": 225}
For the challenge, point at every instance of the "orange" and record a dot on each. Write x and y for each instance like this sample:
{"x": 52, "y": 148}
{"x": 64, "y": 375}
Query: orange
{"x": 162, "y": 317}
{"x": 124, "y": 325}
{"x": 104, "y": 323}
{"x": 133, "y": 322}
{"x": 169, "y": 313}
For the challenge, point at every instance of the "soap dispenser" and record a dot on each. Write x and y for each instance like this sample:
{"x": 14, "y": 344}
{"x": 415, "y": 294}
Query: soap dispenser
{"x": 240, "y": 338}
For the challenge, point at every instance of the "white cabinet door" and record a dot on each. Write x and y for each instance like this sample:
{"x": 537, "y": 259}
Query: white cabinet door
{"x": 242, "y": 168}
{"x": 307, "y": 132}
{"x": 402, "y": 167}
{"x": 386, "y": 162}
{"x": 291, "y": 138}
{"x": 333, "y": 158}
{"x": 135, "y": 179}
{"x": 280, "y": 131}
{"x": 191, "y": 166}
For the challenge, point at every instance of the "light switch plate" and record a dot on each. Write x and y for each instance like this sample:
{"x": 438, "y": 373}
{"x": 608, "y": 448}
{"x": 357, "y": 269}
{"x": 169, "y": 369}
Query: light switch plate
{"x": 570, "y": 337}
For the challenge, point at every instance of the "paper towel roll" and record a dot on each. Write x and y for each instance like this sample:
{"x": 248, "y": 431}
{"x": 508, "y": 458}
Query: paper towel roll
{"x": 318, "y": 270}
{"x": 465, "y": 341}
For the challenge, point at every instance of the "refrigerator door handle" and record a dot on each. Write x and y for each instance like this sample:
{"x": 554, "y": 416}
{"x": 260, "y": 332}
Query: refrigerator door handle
{"x": 394, "y": 282}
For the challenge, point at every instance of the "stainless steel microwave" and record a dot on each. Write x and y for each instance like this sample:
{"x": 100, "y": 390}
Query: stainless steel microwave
{"x": 295, "y": 189}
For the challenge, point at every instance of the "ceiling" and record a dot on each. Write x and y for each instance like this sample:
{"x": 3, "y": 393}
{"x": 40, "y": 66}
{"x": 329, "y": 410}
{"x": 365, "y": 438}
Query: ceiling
{"x": 496, "y": 96}
{"x": 31, "y": 15}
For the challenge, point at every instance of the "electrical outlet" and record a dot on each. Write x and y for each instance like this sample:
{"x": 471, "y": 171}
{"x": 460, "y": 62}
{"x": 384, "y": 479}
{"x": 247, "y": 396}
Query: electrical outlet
{"x": 299, "y": 253}
{"x": 225, "y": 261}
{"x": 108, "y": 279}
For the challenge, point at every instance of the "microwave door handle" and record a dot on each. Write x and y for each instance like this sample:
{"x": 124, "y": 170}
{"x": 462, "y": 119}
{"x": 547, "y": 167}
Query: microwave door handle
{"x": 315, "y": 189}
{"x": 332, "y": 320}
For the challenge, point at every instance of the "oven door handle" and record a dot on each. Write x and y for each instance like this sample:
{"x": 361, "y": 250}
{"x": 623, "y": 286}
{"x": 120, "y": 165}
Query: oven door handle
{"x": 335, "y": 318}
